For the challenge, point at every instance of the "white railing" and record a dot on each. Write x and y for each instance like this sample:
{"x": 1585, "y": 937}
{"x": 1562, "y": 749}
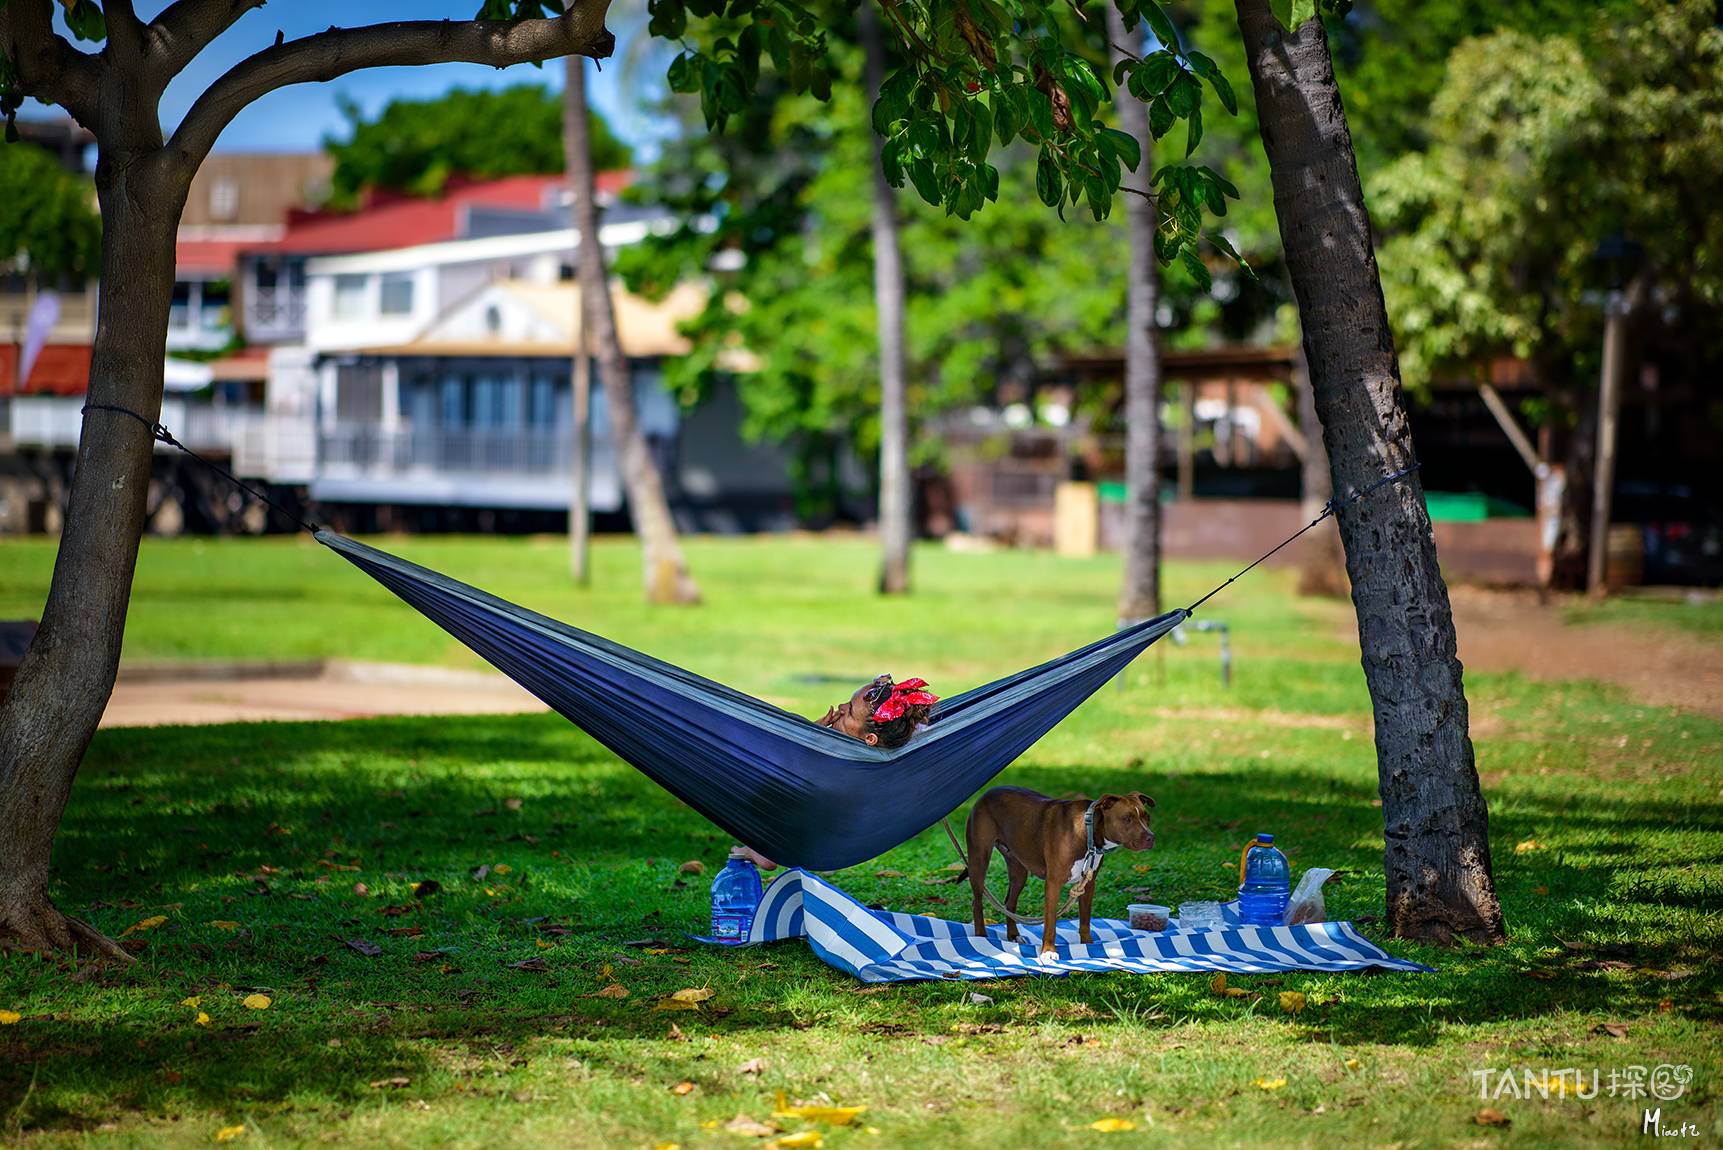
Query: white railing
{"x": 57, "y": 421}
{"x": 372, "y": 450}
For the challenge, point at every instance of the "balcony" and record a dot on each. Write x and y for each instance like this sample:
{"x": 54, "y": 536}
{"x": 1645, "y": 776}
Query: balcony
{"x": 472, "y": 467}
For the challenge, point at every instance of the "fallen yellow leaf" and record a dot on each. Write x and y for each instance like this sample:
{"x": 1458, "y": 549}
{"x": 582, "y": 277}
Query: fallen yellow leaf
{"x": 1353, "y": 1064}
{"x": 830, "y": 1115}
{"x": 674, "y": 1004}
{"x": 1292, "y": 1001}
{"x": 256, "y": 1002}
{"x": 194, "y": 1001}
{"x": 149, "y": 923}
{"x": 682, "y": 1088}
{"x": 614, "y": 990}
{"x": 668, "y": 1146}
{"x": 9, "y": 1017}
{"x": 1269, "y": 1083}
{"x": 542, "y": 944}
{"x": 801, "y": 1140}
{"x": 229, "y": 1133}
{"x": 502, "y": 868}
{"x": 202, "y": 1019}
{"x": 1528, "y": 845}
{"x": 1112, "y": 1125}
{"x": 693, "y": 994}
{"x": 224, "y": 924}
{"x": 1218, "y": 984}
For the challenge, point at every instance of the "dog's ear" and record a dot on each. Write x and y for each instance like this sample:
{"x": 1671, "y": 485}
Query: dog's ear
{"x": 1106, "y": 801}
{"x": 1146, "y": 800}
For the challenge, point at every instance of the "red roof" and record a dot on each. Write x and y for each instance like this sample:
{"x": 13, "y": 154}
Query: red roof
{"x": 207, "y": 257}
{"x": 393, "y": 220}
{"x": 61, "y": 369}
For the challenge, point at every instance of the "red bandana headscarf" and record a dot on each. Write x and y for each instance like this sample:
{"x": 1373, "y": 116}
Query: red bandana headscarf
{"x": 909, "y": 693}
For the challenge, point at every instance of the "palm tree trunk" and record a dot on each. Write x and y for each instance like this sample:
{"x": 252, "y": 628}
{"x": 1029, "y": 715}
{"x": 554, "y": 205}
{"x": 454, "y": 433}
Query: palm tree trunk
{"x": 1140, "y": 596}
{"x": 666, "y": 572}
{"x": 1436, "y": 824}
{"x": 895, "y": 527}
{"x": 52, "y": 709}
{"x": 580, "y": 454}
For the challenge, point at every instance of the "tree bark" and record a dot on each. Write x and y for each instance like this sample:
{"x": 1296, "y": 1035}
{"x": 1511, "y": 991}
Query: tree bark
{"x": 1322, "y": 567}
{"x": 1437, "y": 856}
{"x": 666, "y": 571}
{"x": 63, "y": 683}
{"x": 895, "y": 526}
{"x": 1140, "y": 595}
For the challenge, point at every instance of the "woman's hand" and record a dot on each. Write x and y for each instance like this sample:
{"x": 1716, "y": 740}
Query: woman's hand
{"x": 830, "y": 717}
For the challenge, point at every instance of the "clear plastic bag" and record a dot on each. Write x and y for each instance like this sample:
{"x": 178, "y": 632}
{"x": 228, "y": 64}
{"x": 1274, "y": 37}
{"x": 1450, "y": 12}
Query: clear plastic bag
{"x": 1306, "y": 904}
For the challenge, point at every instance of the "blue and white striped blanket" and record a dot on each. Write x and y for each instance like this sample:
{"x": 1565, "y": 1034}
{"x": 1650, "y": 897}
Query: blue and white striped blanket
{"x": 884, "y": 946}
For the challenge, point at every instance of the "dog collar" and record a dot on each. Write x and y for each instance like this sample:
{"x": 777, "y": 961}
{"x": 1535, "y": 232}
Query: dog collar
{"x": 1093, "y": 851}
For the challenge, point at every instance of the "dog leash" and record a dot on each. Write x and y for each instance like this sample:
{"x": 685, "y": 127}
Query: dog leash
{"x": 1093, "y": 852}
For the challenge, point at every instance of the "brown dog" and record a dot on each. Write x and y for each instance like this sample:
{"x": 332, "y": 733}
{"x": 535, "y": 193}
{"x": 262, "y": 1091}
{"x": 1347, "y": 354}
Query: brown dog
{"x": 1047, "y": 838}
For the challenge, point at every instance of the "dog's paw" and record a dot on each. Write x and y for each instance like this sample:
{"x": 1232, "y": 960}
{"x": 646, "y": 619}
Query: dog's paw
{"x": 1047, "y": 957}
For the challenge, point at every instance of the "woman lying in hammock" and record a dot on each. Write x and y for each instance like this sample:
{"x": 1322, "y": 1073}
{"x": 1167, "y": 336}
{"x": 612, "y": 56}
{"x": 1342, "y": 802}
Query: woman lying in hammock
{"x": 881, "y": 714}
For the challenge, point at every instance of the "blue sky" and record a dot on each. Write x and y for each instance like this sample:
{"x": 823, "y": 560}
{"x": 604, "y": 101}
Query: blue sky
{"x": 296, "y": 119}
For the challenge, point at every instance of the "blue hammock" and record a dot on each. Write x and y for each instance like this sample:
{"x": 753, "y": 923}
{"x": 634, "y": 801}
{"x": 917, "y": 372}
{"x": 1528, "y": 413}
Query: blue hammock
{"x": 797, "y": 792}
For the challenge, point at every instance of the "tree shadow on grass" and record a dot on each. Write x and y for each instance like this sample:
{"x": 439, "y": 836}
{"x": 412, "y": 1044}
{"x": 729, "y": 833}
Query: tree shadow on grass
{"x": 242, "y": 837}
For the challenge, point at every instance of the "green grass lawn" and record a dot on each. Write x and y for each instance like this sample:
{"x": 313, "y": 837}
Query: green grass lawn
{"x": 247, "y": 841}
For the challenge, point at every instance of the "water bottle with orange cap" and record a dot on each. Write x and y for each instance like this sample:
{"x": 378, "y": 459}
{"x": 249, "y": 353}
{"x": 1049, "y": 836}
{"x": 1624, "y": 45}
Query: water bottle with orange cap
{"x": 1264, "y": 883}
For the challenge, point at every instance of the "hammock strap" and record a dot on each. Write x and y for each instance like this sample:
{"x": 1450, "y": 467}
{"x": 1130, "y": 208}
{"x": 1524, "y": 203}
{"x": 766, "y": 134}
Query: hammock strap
{"x": 162, "y": 435}
{"x": 1328, "y": 509}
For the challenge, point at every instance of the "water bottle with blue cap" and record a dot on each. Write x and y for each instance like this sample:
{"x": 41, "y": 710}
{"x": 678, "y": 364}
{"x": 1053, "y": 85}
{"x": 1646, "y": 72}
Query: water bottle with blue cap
{"x": 735, "y": 897}
{"x": 1264, "y": 883}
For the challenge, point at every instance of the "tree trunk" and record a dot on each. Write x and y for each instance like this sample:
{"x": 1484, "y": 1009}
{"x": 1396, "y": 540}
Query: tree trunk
{"x": 1436, "y": 824}
{"x": 895, "y": 528}
{"x": 667, "y": 577}
{"x": 63, "y": 684}
{"x": 1140, "y": 596}
{"x": 1322, "y": 565}
{"x": 580, "y": 454}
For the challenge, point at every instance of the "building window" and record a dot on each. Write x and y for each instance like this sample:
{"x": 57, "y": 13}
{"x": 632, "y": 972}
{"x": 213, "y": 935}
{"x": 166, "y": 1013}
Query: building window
{"x": 396, "y": 295}
{"x": 350, "y": 297}
{"x": 224, "y": 199}
{"x": 541, "y": 408}
{"x": 493, "y": 319}
{"x": 215, "y": 312}
{"x": 454, "y": 401}
{"x": 180, "y": 311}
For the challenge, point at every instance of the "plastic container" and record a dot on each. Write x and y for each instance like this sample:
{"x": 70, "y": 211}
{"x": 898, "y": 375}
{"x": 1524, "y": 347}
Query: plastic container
{"x": 1264, "y": 883}
{"x": 1199, "y": 915}
{"x": 735, "y": 897}
{"x": 1148, "y": 916}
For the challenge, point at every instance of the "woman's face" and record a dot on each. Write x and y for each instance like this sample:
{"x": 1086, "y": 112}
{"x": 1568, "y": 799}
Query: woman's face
{"x": 851, "y": 717}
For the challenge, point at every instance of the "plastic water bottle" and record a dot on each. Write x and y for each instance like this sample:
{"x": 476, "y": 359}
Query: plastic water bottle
{"x": 735, "y": 897}
{"x": 1264, "y": 883}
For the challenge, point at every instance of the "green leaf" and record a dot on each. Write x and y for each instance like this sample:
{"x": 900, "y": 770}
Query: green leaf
{"x": 682, "y": 75}
{"x": 1200, "y": 64}
{"x": 1048, "y": 184}
{"x": 1160, "y": 25}
{"x": 1007, "y": 119}
{"x": 1199, "y": 270}
{"x": 1196, "y": 130}
{"x": 1161, "y": 118}
{"x": 1223, "y": 89}
{"x": 1225, "y": 185}
{"x": 1152, "y": 76}
{"x": 1225, "y": 245}
{"x": 1184, "y": 95}
{"x": 1292, "y": 13}
{"x": 1126, "y": 146}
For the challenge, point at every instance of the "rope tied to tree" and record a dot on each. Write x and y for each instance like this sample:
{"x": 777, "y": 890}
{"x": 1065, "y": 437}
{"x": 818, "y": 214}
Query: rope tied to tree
{"x": 161, "y": 434}
{"x": 1328, "y": 509}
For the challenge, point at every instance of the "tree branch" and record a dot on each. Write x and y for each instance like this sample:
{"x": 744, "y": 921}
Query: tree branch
{"x": 47, "y": 67}
{"x": 125, "y": 33}
{"x": 186, "y": 27}
{"x": 326, "y": 55}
